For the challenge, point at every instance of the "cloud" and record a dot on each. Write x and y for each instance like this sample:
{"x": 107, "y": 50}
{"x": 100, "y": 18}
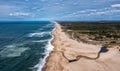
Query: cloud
{"x": 12, "y": 10}
{"x": 7, "y": 8}
{"x": 92, "y": 12}
{"x": 19, "y": 14}
{"x": 60, "y": 9}
{"x": 115, "y": 5}
{"x": 105, "y": 12}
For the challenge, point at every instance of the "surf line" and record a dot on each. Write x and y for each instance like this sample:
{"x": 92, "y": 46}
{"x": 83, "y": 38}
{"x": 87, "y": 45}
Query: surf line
{"x": 102, "y": 50}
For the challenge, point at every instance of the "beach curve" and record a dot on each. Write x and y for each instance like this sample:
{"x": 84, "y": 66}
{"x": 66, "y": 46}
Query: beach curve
{"x": 72, "y": 48}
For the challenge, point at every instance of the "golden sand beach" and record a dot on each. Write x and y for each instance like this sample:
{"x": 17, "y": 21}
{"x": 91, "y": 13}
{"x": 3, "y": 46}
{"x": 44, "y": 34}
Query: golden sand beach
{"x": 109, "y": 61}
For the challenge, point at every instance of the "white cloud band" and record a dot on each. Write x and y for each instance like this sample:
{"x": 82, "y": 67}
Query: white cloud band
{"x": 115, "y": 5}
{"x": 19, "y": 14}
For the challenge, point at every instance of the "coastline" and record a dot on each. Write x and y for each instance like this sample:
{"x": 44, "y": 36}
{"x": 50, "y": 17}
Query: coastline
{"x": 49, "y": 48}
{"x": 47, "y": 57}
{"x": 61, "y": 42}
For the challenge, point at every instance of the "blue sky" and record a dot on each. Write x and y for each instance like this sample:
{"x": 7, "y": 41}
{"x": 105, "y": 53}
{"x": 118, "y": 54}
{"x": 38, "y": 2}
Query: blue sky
{"x": 76, "y": 10}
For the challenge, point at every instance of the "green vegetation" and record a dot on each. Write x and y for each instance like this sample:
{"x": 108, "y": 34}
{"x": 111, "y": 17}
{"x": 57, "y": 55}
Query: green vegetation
{"x": 107, "y": 33}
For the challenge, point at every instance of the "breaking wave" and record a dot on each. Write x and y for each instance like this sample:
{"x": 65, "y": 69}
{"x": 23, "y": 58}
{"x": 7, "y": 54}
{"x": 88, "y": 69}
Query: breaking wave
{"x": 49, "y": 47}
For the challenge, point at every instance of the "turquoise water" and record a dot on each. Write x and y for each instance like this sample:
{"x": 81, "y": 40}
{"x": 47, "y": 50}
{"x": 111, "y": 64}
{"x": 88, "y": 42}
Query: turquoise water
{"x": 24, "y": 45}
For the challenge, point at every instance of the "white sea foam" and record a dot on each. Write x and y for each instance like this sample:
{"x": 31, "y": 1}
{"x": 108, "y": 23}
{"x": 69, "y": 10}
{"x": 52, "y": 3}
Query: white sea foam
{"x": 38, "y": 34}
{"x": 39, "y": 41}
{"x": 13, "y": 51}
{"x": 49, "y": 25}
{"x": 49, "y": 48}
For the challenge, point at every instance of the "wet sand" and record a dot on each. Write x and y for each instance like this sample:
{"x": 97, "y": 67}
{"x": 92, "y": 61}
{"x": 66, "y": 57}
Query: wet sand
{"x": 108, "y": 61}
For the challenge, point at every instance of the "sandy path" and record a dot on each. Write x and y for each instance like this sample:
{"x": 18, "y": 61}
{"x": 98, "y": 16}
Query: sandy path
{"x": 108, "y": 61}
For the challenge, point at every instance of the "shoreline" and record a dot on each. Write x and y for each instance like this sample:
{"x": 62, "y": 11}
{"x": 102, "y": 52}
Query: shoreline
{"x": 56, "y": 62}
{"x": 47, "y": 58}
{"x": 49, "y": 48}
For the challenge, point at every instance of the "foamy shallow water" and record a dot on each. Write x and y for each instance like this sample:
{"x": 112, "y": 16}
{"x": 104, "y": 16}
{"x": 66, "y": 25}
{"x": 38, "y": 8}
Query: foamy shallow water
{"x": 26, "y": 45}
{"x": 12, "y": 51}
{"x": 49, "y": 48}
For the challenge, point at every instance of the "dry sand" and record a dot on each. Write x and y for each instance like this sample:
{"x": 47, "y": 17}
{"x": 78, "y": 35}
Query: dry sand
{"x": 109, "y": 61}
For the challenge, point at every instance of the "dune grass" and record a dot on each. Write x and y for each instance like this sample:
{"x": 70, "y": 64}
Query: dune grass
{"x": 107, "y": 33}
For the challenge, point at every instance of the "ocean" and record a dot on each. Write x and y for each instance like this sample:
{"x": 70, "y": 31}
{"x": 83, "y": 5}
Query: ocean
{"x": 24, "y": 45}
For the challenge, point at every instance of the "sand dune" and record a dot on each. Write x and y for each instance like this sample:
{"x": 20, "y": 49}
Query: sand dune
{"x": 108, "y": 61}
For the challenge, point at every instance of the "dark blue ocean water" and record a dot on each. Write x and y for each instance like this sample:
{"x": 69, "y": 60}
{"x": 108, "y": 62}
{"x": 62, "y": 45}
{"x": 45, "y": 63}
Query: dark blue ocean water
{"x": 24, "y": 45}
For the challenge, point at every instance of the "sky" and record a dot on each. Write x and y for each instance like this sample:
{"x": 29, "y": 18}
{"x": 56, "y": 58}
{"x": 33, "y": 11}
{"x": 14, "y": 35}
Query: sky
{"x": 61, "y": 10}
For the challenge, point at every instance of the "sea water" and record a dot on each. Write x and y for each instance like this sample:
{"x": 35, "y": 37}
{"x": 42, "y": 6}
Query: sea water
{"x": 24, "y": 45}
